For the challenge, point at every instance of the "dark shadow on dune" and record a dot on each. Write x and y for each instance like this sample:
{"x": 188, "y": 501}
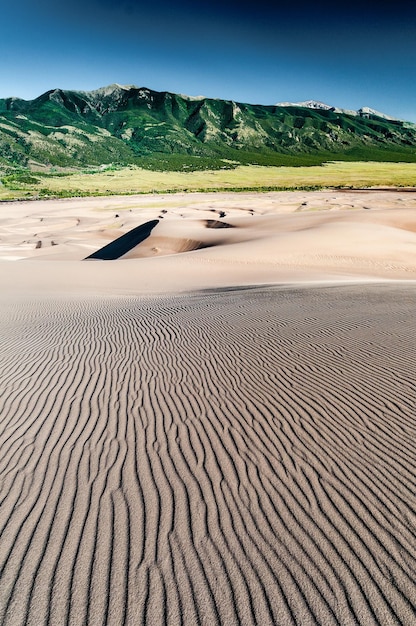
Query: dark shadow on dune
{"x": 125, "y": 243}
{"x": 217, "y": 224}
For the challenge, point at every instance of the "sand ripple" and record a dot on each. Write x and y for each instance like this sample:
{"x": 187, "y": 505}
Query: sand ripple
{"x": 234, "y": 457}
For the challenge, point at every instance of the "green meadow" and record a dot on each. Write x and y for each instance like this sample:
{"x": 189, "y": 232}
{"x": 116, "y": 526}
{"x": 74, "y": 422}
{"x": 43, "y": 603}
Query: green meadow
{"x": 134, "y": 180}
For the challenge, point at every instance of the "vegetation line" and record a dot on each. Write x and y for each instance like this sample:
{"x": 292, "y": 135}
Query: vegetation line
{"x": 244, "y": 178}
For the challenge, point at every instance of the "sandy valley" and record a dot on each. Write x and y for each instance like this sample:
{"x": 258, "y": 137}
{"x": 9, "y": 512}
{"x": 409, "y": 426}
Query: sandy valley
{"x": 217, "y": 428}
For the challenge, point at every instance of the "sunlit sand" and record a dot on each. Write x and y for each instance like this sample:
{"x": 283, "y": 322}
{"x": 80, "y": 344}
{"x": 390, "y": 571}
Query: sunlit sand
{"x": 219, "y": 426}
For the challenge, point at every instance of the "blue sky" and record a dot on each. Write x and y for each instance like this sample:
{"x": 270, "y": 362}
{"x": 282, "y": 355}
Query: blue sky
{"x": 348, "y": 55}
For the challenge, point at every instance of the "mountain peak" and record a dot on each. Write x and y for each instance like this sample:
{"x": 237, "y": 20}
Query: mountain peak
{"x": 109, "y": 90}
{"x": 321, "y": 106}
{"x": 308, "y": 104}
{"x": 366, "y": 112}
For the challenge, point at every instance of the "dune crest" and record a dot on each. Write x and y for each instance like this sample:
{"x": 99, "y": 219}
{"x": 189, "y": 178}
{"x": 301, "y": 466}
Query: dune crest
{"x": 217, "y": 239}
{"x": 218, "y": 426}
{"x": 122, "y": 245}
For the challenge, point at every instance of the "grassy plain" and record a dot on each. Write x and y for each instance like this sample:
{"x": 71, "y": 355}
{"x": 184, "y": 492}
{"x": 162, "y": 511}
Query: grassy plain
{"x": 133, "y": 180}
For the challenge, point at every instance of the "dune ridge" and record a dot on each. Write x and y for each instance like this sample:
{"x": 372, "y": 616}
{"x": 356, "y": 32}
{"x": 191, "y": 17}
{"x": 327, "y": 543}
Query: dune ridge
{"x": 122, "y": 245}
{"x": 225, "y": 457}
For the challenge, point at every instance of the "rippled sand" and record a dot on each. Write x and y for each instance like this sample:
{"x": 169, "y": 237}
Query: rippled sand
{"x": 231, "y": 457}
{"x": 179, "y": 447}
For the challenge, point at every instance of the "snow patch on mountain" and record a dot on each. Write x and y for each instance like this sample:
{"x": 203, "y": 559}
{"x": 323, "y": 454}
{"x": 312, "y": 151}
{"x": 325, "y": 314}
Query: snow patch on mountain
{"x": 315, "y": 104}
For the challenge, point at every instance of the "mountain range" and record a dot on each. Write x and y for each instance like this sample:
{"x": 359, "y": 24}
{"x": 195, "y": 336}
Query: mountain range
{"x": 315, "y": 104}
{"x": 135, "y": 125}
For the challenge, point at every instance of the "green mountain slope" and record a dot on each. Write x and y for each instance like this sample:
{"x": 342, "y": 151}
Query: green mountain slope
{"x": 163, "y": 130}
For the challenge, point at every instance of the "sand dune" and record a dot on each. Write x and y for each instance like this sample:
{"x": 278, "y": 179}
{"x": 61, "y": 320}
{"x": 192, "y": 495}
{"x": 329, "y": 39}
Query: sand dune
{"x": 230, "y": 457}
{"x": 270, "y": 238}
{"x": 122, "y": 245}
{"x": 217, "y": 428}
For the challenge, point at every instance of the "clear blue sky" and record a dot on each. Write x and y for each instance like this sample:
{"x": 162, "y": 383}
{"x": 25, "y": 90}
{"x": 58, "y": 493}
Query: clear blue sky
{"x": 346, "y": 54}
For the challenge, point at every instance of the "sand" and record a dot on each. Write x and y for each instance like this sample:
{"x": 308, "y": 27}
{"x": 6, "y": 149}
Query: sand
{"x": 220, "y": 435}
{"x": 272, "y": 238}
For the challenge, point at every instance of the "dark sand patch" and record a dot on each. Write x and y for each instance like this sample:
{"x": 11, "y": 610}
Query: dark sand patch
{"x": 217, "y": 224}
{"x": 125, "y": 243}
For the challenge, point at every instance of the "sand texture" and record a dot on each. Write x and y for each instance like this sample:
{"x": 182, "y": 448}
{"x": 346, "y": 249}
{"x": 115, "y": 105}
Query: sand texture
{"x": 240, "y": 456}
{"x": 219, "y": 427}
{"x": 208, "y": 240}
